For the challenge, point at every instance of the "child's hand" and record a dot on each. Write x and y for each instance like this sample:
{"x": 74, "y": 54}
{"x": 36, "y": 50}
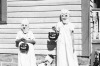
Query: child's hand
{"x": 54, "y": 28}
{"x": 23, "y": 39}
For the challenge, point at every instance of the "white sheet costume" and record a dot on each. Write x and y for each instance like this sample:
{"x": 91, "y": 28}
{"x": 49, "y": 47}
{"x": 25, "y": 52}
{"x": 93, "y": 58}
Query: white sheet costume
{"x": 29, "y": 58}
{"x": 26, "y": 59}
{"x": 65, "y": 54}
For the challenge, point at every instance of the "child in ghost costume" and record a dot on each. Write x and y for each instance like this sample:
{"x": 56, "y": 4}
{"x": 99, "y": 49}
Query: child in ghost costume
{"x": 26, "y": 59}
{"x": 65, "y": 51}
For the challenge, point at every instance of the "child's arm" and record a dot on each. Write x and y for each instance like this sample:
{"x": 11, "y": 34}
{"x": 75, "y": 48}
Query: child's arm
{"x": 31, "y": 38}
{"x": 30, "y": 41}
{"x": 73, "y": 40}
{"x": 19, "y": 40}
{"x": 72, "y": 27}
{"x": 56, "y": 27}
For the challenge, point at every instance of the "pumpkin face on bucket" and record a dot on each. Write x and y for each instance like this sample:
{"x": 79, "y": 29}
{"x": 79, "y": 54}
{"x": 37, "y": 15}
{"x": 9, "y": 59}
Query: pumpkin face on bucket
{"x": 24, "y": 48}
{"x": 53, "y": 35}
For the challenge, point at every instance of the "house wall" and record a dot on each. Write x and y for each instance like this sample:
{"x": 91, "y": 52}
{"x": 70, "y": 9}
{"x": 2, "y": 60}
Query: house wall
{"x": 42, "y": 15}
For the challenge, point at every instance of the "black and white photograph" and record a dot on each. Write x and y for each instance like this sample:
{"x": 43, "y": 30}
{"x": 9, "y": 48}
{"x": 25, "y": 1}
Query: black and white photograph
{"x": 49, "y": 32}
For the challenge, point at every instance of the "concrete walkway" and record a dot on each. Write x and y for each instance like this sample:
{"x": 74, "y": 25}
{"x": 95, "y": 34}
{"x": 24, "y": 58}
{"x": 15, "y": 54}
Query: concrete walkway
{"x": 12, "y": 60}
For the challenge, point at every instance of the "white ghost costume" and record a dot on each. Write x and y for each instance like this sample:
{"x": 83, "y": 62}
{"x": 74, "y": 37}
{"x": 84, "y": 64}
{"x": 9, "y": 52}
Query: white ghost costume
{"x": 29, "y": 58}
{"x": 65, "y": 54}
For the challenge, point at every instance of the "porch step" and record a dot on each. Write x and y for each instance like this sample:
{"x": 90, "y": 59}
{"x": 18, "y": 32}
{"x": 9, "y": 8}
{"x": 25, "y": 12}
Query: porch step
{"x": 83, "y": 61}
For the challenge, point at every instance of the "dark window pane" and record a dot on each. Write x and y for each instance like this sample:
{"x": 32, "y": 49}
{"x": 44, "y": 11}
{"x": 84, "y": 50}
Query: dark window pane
{"x": 97, "y": 2}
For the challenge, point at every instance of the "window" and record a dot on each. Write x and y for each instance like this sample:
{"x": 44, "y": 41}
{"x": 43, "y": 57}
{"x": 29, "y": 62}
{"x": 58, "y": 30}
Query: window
{"x": 96, "y": 3}
{"x": 3, "y": 11}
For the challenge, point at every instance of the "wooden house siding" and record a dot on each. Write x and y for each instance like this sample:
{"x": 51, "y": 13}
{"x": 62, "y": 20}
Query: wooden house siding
{"x": 42, "y": 15}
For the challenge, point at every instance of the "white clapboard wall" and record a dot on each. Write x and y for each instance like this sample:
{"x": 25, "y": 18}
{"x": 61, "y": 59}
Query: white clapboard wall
{"x": 42, "y": 15}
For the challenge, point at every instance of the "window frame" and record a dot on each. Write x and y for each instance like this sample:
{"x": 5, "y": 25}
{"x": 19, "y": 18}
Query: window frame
{"x": 3, "y": 12}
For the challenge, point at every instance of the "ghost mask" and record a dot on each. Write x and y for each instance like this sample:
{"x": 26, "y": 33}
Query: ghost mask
{"x": 25, "y": 26}
{"x": 65, "y": 14}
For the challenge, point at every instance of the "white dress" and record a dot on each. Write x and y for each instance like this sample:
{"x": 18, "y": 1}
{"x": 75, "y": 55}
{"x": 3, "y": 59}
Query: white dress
{"x": 29, "y": 58}
{"x": 65, "y": 54}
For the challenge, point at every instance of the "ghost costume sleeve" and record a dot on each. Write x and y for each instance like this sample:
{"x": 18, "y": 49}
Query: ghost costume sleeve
{"x": 18, "y": 39}
{"x": 58, "y": 26}
{"x": 71, "y": 27}
{"x": 31, "y": 38}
